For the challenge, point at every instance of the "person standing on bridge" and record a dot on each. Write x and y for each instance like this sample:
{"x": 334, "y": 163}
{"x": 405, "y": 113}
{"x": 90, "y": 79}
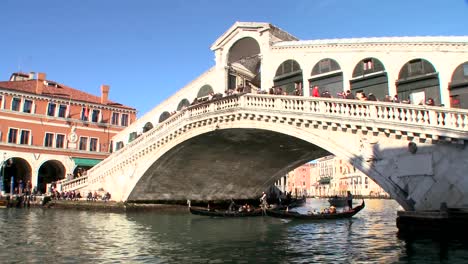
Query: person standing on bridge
{"x": 315, "y": 91}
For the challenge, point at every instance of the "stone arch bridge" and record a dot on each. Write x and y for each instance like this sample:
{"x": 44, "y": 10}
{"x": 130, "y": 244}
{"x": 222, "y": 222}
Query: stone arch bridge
{"x": 239, "y": 145}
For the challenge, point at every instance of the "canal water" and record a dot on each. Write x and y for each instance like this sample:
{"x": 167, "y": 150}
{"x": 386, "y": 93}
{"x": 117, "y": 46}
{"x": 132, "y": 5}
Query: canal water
{"x": 38, "y": 235}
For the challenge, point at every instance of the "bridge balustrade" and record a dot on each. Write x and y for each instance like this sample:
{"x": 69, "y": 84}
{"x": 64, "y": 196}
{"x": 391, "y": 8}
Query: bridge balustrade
{"x": 443, "y": 119}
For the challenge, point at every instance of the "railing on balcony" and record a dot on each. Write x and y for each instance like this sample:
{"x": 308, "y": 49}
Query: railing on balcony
{"x": 324, "y": 180}
{"x": 443, "y": 120}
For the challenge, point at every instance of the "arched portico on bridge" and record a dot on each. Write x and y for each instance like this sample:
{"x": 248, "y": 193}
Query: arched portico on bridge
{"x": 418, "y": 81}
{"x": 244, "y": 64}
{"x": 327, "y": 76}
{"x": 459, "y": 87}
{"x": 369, "y": 76}
{"x": 288, "y": 79}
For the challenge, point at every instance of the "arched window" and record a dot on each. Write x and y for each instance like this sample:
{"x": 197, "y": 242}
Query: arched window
{"x": 165, "y": 115}
{"x": 458, "y": 87}
{"x": 205, "y": 90}
{"x": 288, "y": 78}
{"x": 327, "y": 76}
{"x": 148, "y": 126}
{"x": 182, "y": 104}
{"x": 418, "y": 81}
{"x": 369, "y": 76}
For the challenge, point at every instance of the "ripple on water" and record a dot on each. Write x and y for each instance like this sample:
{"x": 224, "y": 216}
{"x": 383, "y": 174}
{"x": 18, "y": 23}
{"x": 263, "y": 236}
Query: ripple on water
{"x": 67, "y": 236}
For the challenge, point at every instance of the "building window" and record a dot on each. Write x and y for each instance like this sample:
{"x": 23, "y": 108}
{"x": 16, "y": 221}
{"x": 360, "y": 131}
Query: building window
{"x": 12, "y": 135}
{"x": 49, "y": 140}
{"x": 24, "y": 138}
{"x": 124, "y": 121}
{"x": 15, "y": 104}
{"x": 84, "y": 114}
{"x": 465, "y": 69}
{"x": 115, "y": 119}
{"x": 51, "y": 109}
{"x": 83, "y": 143}
{"x": 1, "y": 101}
{"x": 93, "y": 142}
{"x": 27, "y": 107}
{"x": 95, "y": 115}
{"x": 62, "y": 111}
{"x": 60, "y": 141}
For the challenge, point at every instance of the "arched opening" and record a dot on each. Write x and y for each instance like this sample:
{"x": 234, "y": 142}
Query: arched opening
{"x": 458, "y": 87}
{"x": 18, "y": 172}
{"x": 132, "y": 136}
{"x": 369, "y": 76}
{"x": 205, "y": 90}
{"x": 418, "y": 81}
{"x": 119, "y": 145}
{"x": 288, "y": 79}
{"x": 183, "y": 104}
{"x": 148, "y": 126}
{"x": 327, "y": 76}
{"x": 244, "y": 66}
{"x": 50, "y": 171}
{"x": 165, "y": 115}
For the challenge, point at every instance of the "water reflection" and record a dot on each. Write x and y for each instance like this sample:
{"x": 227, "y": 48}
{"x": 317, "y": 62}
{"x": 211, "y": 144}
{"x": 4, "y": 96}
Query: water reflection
{"x": 67, "y": 236}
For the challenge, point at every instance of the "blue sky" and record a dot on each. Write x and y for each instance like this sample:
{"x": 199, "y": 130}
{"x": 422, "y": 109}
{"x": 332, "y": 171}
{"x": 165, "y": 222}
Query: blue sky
{"x": 146, "y": 49}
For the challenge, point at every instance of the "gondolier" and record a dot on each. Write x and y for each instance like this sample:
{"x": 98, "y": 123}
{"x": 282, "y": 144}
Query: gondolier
{"x": 349, "y": 200}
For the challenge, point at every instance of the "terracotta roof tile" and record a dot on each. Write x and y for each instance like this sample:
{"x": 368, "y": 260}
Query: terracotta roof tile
{"x": 59, "y": 91}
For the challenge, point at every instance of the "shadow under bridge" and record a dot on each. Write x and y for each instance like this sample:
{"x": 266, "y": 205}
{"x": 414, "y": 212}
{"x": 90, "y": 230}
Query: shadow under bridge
{"x": 223, "y": 164}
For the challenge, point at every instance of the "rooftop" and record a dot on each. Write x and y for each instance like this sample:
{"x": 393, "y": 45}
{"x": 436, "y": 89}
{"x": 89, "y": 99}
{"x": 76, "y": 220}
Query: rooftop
{"x": 22, "y": 82}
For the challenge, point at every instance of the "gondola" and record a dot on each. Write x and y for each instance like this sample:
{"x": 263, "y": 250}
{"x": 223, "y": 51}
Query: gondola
{"x": 225, "y": 213}
{"x": 320, "y": 216}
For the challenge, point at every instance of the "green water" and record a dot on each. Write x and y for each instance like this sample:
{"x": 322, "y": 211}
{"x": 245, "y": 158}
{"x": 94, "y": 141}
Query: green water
{"x": 69, "y": 236}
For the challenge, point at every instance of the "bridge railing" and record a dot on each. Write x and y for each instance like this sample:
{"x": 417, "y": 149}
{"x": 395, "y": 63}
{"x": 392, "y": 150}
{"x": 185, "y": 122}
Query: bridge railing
{"x": 428, "y": 116}
{"x": 346, "y": 109}
{"x": 73, "y": 184}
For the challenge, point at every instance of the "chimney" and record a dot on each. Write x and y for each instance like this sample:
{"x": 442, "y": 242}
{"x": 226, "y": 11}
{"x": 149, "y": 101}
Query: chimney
{"x": 39, "y": 85}
{"x": 104, "y": 93}
{"x": 41, "y": 76}
{"x": 31, "y": 75}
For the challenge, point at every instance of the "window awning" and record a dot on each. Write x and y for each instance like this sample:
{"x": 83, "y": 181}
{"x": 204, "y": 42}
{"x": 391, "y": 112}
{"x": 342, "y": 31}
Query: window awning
{"x": 86, "y": 162}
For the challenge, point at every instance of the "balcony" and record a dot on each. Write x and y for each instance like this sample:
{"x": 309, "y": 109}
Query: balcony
{"x": 324, "y": 180}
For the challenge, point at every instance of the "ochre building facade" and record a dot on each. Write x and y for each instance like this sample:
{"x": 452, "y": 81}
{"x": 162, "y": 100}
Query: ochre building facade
{"x": 49, "y": 131}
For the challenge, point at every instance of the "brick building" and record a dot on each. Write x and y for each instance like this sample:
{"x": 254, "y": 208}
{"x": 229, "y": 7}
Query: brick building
{"x": 49, "y": 131}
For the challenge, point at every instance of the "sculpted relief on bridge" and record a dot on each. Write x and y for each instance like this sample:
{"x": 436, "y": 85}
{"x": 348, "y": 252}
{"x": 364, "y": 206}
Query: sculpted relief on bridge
{"x": 238, "y": 145}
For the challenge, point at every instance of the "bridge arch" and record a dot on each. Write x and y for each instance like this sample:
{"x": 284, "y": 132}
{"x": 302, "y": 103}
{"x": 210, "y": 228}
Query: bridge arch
{"x": 164, "y": 115}
{"x": 418, "y": 81}
{"x": 183, "y": 104}
{"x": 244, "y": 64}
{"x": 328, "y": 76}
{"x": 205, "y": 90}
{"x": 288, "y": 78}
{"x": 369, "y": 76}
{"x": 458, "y": 87}
{"x": 291, "y": 145}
